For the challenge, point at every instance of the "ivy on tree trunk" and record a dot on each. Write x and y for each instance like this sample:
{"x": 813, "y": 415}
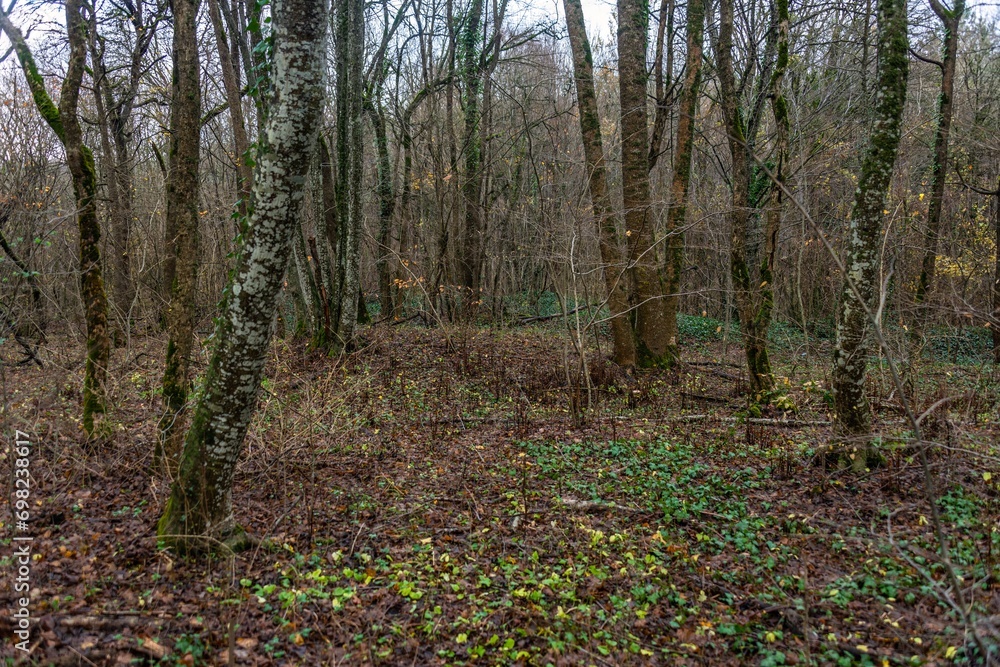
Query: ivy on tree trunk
{"x": 199, "y": 512}
{"x": 864, "y": 234}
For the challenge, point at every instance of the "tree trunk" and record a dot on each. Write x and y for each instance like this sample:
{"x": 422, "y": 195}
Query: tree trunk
{"x": 386, "y": 208}
{"x": 345, "y": 227}
{"x": 681, "y": 181}
{"x": 996, "y": 277}
{"x": 646, "y": 289}
{"x": 182, "y": 221}
{"x": 231, "y": 83}
{"x": 64, "y": 122}
{"x": 604, "y": 213}
{"x": 750, "y": 269}
{"x": 864, "y": 233}
{"x": 939, "y": 170}
{"x": 199, "y": 512}
{"x": 472, "y": 181}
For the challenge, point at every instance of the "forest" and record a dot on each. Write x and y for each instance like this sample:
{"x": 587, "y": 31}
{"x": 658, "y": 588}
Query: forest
{"x": 500, "y": 332}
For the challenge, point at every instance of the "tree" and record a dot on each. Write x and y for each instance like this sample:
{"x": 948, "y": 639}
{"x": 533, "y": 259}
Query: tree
{"x": 604, "y": 213}
{"x": 681, "y": 179}
{"x": 751, "y": 262}
{"x": 950, "y": 18}
{"x": 344, "y": 222}
{"x": 231, "y": 84}
{"x": 182, "y": 226}
{"x": 65, "y": 122}
{"x": 864, "y": 234}
{"x": 115, "y": 102}
{"x": 645, "y": 289}
{"x": 472, "y": 181}
{"x": 199, "y": 510}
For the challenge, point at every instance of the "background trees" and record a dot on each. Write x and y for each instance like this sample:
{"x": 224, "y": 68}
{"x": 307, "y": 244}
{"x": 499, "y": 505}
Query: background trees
{"x": 462, "y": 148}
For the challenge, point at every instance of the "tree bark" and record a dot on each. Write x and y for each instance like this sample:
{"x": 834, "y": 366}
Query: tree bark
{"x": 345, "y": 224}
{"x": 182, "y": 222}
{"x": 681, "y": 180}
{"x": 609, "y": 241}
{"x": 939, "y": 169}
{"x": 65, "y": 123}
{"x": 749, "y": 268}
{"x": 864, "y": 233}
{"x": 231, "y": 84}
{"x": 472, "y": 181}
{"x": 199, "y": 512}
{"x": 645, "y": 287}
{"x": 386, "y": 208}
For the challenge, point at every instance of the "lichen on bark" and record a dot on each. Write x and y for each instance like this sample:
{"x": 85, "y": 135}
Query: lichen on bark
{"x": 864, "y": 233}
{"x": 199, "y": 513}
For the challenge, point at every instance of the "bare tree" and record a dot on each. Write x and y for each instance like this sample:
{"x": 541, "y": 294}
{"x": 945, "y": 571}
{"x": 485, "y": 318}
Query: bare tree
{"x": 606, "y": 218}
{"x": 200, "y": 504}
{"x": 950, "y": 19}
{"x": 65, "y": 122}
{"x": 681, "y": 179}
{"x": 182, "y": 226}
{"x": 864, "y": 234}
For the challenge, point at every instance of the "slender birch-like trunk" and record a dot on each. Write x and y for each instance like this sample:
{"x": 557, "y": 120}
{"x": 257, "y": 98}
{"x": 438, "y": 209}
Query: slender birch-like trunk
{"x": 681, "y": 180}
{"x": 950, "y": 18}
{"x": 199, "y": 512}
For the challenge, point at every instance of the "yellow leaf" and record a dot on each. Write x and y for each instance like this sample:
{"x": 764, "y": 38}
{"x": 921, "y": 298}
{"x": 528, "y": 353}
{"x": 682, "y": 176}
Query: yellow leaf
{"x": 987, "y": 476}
{"x": 770, "y": 637}
{"x": 462, "y": 638}
{"x": 950, "y": 653}
{"x": 922, "y": 520}
{"x": 862, "y": 648}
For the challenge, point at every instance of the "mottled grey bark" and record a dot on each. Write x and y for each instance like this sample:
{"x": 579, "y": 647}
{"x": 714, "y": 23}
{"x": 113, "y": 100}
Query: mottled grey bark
{"x": 182, "y": 226}
{"x": 605, "y": 217}
{"x": 199, "y": 510}
{"x": 864, "y": 234}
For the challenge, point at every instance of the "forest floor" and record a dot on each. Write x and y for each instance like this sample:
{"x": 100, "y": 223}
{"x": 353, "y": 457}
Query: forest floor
{"x": 432, "y": 500}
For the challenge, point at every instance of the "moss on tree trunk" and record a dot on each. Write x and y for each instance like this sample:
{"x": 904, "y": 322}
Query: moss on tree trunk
{"x": 609, "y": 241}
{"x": 182, "y": 219}
{"x": 864, "y": 234}
{"x": 65, "y": 123}
{"x": 199, "y": 512}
